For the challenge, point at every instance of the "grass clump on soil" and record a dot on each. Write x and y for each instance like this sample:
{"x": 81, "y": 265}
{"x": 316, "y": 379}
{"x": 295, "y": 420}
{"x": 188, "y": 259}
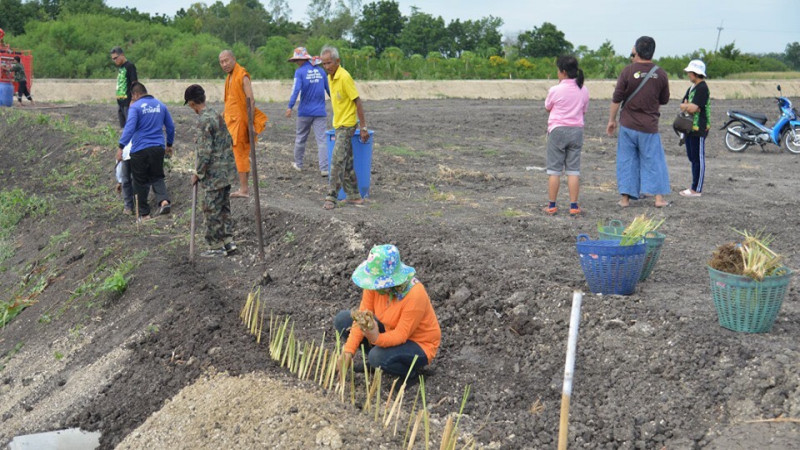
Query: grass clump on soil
{"x": 15, "y": 205}
{"x": 751, "y": 258}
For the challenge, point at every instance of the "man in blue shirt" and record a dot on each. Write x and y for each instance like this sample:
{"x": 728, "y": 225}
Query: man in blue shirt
{"x": 311, "y": 84}
{"x": 144, "y": 128}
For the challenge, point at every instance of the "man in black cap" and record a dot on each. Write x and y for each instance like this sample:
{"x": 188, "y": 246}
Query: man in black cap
{"x": 215, "y": 170}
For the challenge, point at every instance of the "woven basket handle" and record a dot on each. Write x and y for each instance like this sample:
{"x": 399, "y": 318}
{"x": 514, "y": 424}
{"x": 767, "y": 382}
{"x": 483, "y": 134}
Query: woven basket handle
{"x": 583, "y": 237}
{"x": 615, "y": 223}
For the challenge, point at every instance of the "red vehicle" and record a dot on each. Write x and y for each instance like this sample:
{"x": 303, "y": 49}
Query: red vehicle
{"x": 7, "y": 55}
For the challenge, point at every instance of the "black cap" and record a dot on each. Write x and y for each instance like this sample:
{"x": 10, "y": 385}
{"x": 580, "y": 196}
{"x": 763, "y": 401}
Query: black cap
{"x": 193, "y": 93}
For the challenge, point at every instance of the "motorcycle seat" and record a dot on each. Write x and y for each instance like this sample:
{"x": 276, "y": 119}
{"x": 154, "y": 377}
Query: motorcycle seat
{"x": 758, "y": 117}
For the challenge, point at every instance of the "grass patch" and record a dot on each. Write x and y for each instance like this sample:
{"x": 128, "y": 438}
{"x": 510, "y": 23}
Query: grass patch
{"x": 439, "y": 196}
{"x": 15, "y": 205}
{"x": 7, "y": 357}
{"x": 511, "y": 212}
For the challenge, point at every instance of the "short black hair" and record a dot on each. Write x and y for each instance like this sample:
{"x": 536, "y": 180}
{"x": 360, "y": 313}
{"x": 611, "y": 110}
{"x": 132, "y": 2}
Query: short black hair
{"x": 16, "y": 58}
{"x": 645, "y": 47}
{"x": 138, "y": 89}
{"x": 117, "y": 51}
{"x": 194, "y": 93}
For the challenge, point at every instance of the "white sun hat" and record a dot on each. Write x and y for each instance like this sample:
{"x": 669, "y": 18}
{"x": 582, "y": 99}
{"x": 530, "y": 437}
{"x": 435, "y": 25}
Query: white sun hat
{"x": 696, "y": 66}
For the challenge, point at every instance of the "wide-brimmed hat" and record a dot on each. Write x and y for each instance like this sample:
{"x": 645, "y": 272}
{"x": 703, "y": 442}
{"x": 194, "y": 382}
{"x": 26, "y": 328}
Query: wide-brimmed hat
{"x": 300, "y": 53}
{"x": 382, "y": 269}
{"x": 696, "y": 66}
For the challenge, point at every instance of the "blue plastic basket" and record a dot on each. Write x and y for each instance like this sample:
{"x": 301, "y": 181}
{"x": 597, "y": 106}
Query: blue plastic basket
{"x": 611, "y": 268}
{"x": 654, "y": 240}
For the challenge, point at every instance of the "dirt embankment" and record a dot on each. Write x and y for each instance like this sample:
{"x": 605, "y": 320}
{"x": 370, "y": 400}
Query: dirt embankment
{"x": 455, "y": 186}
{"x": 82, "y": 91}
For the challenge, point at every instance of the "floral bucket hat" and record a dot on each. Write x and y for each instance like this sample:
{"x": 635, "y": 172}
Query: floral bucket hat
{"x": 382, "y": 269}
{"x": 300, "y": 53}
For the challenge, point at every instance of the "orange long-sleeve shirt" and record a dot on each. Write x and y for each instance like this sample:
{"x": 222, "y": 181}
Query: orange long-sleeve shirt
{"x": 410, "y": 319}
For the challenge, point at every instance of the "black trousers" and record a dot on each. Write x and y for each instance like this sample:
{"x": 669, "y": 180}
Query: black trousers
{"x": 23, "y": 90}
{"x": 147, "y": 168}
{"x": 122, "y": 111}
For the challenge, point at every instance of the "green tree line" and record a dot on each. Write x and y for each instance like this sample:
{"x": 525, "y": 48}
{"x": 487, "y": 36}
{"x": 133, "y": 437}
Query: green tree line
{"x": 72, "y": 39}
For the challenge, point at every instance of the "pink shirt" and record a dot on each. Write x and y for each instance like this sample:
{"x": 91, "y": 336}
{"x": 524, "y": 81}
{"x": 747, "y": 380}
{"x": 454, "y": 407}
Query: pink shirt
{"x": 567, "y": 104}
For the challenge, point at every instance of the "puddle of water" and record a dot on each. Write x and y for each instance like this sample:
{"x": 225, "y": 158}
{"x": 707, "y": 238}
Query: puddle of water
{"x": 69, "y": 439}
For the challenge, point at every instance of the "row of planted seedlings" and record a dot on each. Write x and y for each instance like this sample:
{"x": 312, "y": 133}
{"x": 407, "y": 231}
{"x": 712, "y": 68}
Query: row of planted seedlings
{"x": 324, "y": 366}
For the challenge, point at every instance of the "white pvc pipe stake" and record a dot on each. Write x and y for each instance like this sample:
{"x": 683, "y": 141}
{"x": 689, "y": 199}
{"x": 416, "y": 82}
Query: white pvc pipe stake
{"x": 569, "y": 368}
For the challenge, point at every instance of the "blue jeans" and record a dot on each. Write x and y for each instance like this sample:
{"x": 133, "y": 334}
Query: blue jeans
{"x": 393, "y": 360}
{"x": 641, "y": 164}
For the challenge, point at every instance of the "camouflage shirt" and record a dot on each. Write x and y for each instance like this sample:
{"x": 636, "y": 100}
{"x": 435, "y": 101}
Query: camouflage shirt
{"x": 215, "y": 165}
{"x": 19, "y": 73}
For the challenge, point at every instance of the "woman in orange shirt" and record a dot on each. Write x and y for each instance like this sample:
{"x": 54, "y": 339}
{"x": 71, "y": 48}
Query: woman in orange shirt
{"x": 404, "y": 323}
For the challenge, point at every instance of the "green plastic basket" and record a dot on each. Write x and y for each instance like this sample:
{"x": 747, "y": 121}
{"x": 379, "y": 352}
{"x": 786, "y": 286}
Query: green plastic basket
{"x": 747, "y": 305}
{"x": 654, "y": 240}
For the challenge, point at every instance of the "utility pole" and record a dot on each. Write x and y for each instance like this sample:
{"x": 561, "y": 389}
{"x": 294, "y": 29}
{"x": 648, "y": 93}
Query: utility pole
{"x": 719, "y": 31}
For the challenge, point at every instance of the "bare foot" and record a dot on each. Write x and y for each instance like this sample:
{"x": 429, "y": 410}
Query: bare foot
{"x": 624, "y": 203}
{"x": 239, "y": 194}
{"x": 328, "y": 205}
{"x": 355, "y": 202}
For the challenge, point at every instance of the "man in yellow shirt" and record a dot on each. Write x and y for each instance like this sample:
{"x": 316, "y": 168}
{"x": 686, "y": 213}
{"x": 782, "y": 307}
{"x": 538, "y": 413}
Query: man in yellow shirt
{"x": 346, "y": 106}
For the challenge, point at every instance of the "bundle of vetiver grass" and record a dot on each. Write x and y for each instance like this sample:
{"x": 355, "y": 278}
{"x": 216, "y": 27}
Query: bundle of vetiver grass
{"x": 638, "y": 229}
{"x": 752, "y": 257}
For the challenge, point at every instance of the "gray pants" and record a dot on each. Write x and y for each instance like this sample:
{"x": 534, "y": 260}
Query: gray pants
{"x": 304, "y": 126}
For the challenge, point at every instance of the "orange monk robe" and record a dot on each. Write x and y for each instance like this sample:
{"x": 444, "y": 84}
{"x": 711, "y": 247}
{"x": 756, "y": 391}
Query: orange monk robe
{"x": 236, "y": 117}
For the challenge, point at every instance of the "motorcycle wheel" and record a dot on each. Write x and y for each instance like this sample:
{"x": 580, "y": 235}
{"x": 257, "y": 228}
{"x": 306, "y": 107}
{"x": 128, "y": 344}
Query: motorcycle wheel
{"x": 791, "y": 140}
{"x": 735, "y": 143}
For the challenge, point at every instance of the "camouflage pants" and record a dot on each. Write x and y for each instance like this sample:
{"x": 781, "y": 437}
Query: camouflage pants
{"x": 217, "y": 214}
{"x": 343, "y": 174}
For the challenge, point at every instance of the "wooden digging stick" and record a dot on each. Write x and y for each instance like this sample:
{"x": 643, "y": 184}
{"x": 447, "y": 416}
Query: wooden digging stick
{"x": 192, "y": 226}
{"x": 254, "y": 169}
{"x": 569, "y": 368}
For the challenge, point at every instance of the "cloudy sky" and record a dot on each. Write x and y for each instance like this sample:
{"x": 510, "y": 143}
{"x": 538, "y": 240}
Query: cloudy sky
{"x": 678, "y": 27}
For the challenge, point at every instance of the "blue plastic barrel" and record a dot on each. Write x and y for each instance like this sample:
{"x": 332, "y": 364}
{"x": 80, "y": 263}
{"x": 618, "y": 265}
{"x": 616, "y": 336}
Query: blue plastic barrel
{"x": 362, "y": 161}
{"x": 6, "y": 94}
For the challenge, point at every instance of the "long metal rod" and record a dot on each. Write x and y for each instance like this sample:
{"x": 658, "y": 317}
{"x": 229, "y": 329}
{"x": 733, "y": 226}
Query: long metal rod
{"x": 254, "y": 170}
{"x": 569, "y": 368}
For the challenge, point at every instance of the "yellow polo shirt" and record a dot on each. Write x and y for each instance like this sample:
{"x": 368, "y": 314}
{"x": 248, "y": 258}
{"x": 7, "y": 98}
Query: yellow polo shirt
{"x": 343, "y": 95}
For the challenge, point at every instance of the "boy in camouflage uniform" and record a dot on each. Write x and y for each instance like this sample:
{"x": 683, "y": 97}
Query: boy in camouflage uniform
{"x": 21, "y": 79}
{"x": 215, "y": 170}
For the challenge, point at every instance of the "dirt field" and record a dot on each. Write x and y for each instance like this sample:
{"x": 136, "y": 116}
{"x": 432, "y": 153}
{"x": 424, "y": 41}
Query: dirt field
{"x": 457, "y": 186}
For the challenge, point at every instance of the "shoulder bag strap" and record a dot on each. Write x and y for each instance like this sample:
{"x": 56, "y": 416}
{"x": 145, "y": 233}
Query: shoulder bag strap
{"x": 641, "y": 85}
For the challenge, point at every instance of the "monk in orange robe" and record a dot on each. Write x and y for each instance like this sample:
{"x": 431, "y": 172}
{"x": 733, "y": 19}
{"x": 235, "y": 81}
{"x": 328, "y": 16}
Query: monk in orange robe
{"x": 238, "y": 91}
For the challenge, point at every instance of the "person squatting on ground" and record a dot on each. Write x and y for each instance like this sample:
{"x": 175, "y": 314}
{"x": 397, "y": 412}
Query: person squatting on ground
{"x": 346, "y": 106}
{"x": 404, "y": 323}
{"x": 238, "y": 91}
{"x": 126, "y": 76}
{"x": 697, "y": 102}
{"x": 215, "y": 170}
{"x": 21, "y": 79}
{"x": 567, "y": 103}
{"x": 311, "y": 84}
{"x": 641, "y": 164}
{"x": 147, "y": 120}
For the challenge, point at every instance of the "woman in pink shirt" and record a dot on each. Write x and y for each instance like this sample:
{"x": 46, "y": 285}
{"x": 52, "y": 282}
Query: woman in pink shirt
{"x": 567, "y": 103}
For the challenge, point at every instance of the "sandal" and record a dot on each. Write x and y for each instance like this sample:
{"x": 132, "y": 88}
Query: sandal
{"x": 328, "y": 205}
{"x": 238, "y": 194}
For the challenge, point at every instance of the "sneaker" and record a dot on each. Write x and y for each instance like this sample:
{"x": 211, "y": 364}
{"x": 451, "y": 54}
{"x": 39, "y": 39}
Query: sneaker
{"x": 213, "y": 253}
{"x": 230, "y": 248}
{"x": 575, "y": 211}
{"x": 296, "y": 167}
{"x": 550, "y": 211}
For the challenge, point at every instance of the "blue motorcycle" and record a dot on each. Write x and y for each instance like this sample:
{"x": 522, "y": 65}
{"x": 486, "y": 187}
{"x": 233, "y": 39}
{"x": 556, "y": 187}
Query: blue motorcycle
{"x": 745, "y": 128}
